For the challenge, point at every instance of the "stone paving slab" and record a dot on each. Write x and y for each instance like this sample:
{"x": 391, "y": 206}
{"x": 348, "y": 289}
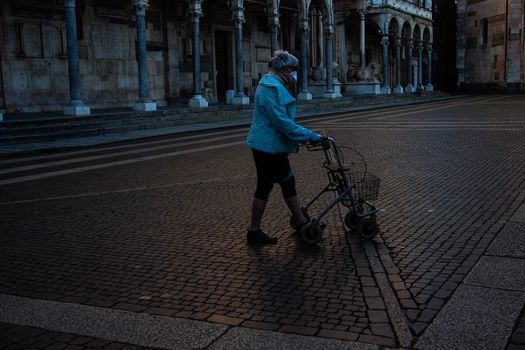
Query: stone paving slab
{"x": 474, "y": 318}
{"x": 497, "y": 272}
{"x": 510, "y": 242}
{"x": 253, "y": 339}
{"x": 25, "y": 338}
{"x": 115, "y": 325}
{"x": 519, "y": 216}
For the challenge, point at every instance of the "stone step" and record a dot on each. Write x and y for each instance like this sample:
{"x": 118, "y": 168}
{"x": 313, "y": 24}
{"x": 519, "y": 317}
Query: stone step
{"x": 58, "y": 128}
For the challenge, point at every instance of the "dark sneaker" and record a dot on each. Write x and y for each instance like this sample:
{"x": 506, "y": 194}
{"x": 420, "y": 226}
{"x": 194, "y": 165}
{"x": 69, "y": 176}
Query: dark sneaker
{"x": 260, "y": 237}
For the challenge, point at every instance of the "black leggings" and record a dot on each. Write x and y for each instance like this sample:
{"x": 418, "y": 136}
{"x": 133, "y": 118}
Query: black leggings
{"x": 273, "y": 168}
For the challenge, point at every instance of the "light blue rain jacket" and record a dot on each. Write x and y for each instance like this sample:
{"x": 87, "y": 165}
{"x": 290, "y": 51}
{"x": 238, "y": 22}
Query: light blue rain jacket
{"x": 273, "y": 127}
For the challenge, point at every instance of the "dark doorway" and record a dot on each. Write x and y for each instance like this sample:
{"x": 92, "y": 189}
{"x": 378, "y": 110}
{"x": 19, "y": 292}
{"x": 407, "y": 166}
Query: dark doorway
{"x": 223, "y": 63}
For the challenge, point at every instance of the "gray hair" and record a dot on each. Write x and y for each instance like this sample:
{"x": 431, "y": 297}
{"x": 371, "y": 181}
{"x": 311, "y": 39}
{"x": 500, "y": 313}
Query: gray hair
{"x": 281, "y": 60}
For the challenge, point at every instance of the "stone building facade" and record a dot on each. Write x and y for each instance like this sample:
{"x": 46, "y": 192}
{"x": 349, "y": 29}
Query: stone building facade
{"x": 79, "y": 55}
{"x": 490, "y": 45}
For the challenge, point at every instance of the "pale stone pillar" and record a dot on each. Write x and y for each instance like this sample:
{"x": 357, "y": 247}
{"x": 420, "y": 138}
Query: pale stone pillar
{"x": 385, "y": 88}
{"x": 238, "y": 20}
{"x": 274, "y": 27}
{"x": 420, "y": 66}
{"x": 144, "y": 103}
{"x": 304, "y": 94}
{"x": 362, "y": 37}
{"x": 196, "y": 13}
{"x": 76, "y": 106}
{"x": 410, "y": 87}
{"x": 320, "y": 41}
{"x": 398, "y": 89}
{"x": 429, "y": 86}
{"x": 329, "y": 34}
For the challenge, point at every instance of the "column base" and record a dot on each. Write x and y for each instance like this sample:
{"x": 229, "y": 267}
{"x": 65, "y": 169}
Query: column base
{"x": 409, "y": 89}
{"x": 398, "y": 89}
{"x": 77, "y": 109}
{"x": 145, "y": 106}
{"x": 304, "y": 96}
{"x": 331, "y": 95}
{"x": 385, "y": 90}
{"x": 241, "y": 100}
{"x": 198, "y": 101}
{"x": 429, "y": 88}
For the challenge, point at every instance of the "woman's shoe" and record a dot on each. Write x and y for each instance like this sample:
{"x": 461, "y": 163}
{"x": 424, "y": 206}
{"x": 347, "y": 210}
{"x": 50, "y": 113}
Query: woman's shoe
{"x": 259, "y": 237}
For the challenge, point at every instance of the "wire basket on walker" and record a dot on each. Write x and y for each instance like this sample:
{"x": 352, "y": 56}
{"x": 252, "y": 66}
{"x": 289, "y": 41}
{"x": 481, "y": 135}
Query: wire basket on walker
{"x": 354, "y": 188}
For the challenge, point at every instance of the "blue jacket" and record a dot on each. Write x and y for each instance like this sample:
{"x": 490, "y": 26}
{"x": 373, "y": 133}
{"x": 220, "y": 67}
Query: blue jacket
{"x": 273, "y": 127}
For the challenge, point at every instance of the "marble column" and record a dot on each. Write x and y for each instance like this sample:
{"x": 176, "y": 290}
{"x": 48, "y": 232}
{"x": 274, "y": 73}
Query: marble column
{"x": 304, "y": 94}
{"x": 329, "y": 59}
{"x": 274, "y": 27}
{"x": 320, "y": 41}
{"x": 76, "y": 106}
{"x": 398, "y": 89}
{"x": 420, "y": 66}
{"x": 362, "y": 42}
{"x": 429, "y": 86}
{"x": 196, "y": 13}
{"x": 385, "y": 88}
{"x": 238, "y": 19}
{"x": 144, "y": 103}
{"x": 410, "y": 87}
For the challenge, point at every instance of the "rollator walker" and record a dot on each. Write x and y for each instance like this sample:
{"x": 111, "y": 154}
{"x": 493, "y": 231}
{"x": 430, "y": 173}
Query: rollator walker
{"x": 354, "y": 188}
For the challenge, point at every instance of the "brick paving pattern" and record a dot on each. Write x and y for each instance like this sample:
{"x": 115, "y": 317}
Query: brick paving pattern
{"x": 177, "y": 248}
{"x": 31, "y": 338}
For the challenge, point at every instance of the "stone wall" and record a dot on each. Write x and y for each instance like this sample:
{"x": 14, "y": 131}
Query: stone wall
{"x": 489, "y": 54}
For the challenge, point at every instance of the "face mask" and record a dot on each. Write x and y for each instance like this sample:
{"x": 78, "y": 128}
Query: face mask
{"x": 294, "y": 76}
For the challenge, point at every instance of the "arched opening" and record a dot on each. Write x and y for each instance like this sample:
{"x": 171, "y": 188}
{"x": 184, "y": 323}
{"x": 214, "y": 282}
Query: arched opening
{"x": 393, "y": 35}
{"x": 406, "y": 38}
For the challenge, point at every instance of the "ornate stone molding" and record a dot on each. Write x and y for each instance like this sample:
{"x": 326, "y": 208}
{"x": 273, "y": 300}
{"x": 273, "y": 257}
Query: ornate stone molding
{"x": 140, "y": 6}
{"x": 195, "y": 10}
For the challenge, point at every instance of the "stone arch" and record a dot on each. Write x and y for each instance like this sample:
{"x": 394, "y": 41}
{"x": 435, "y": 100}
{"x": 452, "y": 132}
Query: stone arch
{"x": 427, "y": 35}
{"x": 417, "y": 34}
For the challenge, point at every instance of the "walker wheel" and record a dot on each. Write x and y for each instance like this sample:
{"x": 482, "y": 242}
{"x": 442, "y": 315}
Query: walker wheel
{"x": 367, "y": 227}
{"x": 311, "y": 233}
{"x": 351, "y": 219}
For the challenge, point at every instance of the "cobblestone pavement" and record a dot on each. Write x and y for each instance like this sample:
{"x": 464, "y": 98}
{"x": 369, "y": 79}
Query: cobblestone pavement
{"x": 166, "y": 235}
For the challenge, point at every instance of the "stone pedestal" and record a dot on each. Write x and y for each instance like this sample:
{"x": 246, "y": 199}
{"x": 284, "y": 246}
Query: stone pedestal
{"x": 363, "y": 88}
{"x": 398, "y": 90}
{"x": 318, "y": 89}
{"x": 241, "y": 100}
{"x": 145, "y": 106}
{"x": 385, "y": 90}
{"x": 304, "y": 96}
{"x": 410, "y": 89}
{"x": 198, "y": 101}
{"x": 429, "y": 88}
{"x": 76, "y": 108}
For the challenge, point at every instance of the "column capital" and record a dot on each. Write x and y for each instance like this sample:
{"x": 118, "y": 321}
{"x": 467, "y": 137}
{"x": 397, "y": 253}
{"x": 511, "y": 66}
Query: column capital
{"x": 398, "y": 41}
{"x": 304, "y": 24}
{"x": 237, "y": 14}
{"x": 195, "y": 10}
{"x": 362, "y": 14}
{"x": 70, "y": 3}
{"x": 410, "y": 42}
{"x": 273, "y": 20}
{"x": 140, "y": 6}
{"x": 329, "y": 29}
{"x": 384, "y": 40}
{"x": 429, "y": 46}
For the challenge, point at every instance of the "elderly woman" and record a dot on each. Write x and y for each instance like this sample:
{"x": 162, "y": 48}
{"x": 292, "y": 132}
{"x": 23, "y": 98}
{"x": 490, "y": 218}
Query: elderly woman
{"x": 273, "y": 135}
